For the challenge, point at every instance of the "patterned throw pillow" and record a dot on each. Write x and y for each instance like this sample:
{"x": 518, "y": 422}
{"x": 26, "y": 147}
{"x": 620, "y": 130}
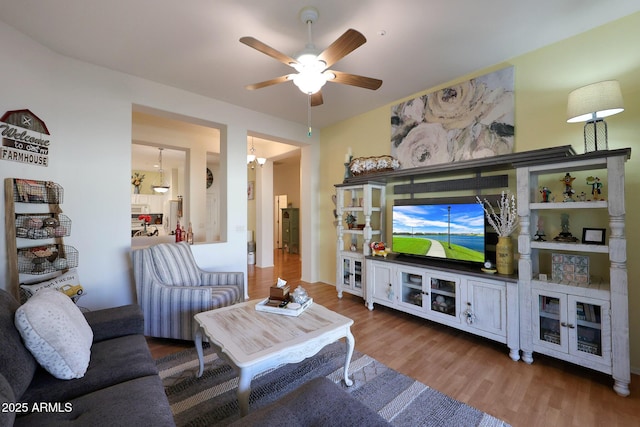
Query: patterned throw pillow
{"x": 68, "y": 280}
{"x": 56, "y": 333}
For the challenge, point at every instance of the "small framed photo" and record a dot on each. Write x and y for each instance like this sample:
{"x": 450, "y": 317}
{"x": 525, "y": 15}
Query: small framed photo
{"x": 251, "y": 190}
{"x": 593, "y": 236}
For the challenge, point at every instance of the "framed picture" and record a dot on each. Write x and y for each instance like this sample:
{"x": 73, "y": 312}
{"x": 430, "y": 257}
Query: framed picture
{"x": 594, "y": 236}
{"x": 250, "y": 190}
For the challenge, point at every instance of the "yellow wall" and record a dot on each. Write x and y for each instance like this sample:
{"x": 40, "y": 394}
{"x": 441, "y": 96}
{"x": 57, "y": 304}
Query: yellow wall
{"x": 543, "y": 79}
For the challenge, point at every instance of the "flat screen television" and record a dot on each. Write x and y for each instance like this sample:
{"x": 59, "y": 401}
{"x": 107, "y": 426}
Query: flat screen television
{"x": 451, "y": 230}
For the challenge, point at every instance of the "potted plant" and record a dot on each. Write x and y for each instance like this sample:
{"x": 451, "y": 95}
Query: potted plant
{"x": 350, "y": 220}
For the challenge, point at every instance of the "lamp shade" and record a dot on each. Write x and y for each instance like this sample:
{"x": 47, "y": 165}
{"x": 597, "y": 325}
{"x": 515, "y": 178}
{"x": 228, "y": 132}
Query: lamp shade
{"x": 594, "y": 101}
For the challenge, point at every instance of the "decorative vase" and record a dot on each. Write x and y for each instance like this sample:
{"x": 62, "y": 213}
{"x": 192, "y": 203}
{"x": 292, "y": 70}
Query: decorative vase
{"x": 136, "y": 189}
{"x": 504, "y": 255}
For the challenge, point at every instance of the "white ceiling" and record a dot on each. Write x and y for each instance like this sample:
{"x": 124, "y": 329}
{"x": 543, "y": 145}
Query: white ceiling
{"x": 194, "y": 44}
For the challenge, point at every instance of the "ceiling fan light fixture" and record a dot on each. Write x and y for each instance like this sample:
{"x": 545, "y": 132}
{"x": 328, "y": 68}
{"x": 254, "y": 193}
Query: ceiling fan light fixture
{"x": 311, "y": 64}
{"x": 329, "y": 75}
{"x": 309, "y": 82}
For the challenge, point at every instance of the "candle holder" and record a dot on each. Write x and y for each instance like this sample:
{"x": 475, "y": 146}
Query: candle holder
{"x": 347, "y": 171}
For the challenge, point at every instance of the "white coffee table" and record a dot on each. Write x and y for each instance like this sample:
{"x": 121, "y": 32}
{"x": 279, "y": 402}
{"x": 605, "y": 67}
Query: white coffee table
{"x": 255, "y": 341}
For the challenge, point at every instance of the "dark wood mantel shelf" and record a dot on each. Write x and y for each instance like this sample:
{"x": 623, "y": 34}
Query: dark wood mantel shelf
{"x": 496, "y": 163}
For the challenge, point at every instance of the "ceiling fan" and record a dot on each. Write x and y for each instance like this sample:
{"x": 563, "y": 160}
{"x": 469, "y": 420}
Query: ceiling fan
{"x": 312, "y": 65}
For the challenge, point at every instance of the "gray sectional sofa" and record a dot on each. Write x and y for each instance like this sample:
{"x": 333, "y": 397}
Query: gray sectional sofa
{"x": 120, "y": 388}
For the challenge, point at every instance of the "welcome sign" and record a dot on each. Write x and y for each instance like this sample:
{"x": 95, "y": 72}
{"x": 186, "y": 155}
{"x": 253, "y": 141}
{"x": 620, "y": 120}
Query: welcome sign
{"x": 25, "y": 138}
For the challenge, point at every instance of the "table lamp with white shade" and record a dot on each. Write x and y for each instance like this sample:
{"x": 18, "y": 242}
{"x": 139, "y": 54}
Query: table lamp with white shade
{"x": 591, "y": 104}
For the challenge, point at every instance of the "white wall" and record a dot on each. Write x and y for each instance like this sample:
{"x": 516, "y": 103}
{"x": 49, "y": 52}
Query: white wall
{"x": 87, "y": 110}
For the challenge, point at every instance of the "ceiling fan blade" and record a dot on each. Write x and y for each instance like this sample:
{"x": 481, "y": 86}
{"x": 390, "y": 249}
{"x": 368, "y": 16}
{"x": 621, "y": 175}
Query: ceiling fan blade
{"x": 345, "y": 44}
{"x": 355, "y": 80}
{"x": 260, "y": 85}
{"x": 316, "y": 99}
{"x": 268, "y": 50}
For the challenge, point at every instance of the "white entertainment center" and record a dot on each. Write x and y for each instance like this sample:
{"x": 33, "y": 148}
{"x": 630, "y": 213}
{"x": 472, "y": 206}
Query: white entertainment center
{"x": 536, "y": 310}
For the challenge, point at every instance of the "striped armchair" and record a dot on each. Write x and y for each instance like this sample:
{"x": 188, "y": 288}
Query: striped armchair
{"x": 171, "y": 289}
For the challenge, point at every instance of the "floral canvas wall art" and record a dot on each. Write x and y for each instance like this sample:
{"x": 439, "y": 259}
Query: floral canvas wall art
{"x": 469, "y": 120}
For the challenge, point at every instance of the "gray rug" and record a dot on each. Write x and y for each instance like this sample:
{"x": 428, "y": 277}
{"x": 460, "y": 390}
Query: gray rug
{"x": 211, "y": 399}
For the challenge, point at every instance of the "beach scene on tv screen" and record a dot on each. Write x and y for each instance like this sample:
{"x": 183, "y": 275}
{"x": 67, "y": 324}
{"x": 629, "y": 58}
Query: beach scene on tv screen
{"x": 451, "y": 231}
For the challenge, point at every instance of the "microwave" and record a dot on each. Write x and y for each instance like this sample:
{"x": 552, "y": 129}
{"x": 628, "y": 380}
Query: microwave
{"x": 140, "y": 209}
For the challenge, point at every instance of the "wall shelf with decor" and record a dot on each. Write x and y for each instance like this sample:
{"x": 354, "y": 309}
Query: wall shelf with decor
{"x": 488, "y": 164}
{"x": 360, "y": 211}
{"x": 573, "y": 294}
{"x": 51, "y": 256}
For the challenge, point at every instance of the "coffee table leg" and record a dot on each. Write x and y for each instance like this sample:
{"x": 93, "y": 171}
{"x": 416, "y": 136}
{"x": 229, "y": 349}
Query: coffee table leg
{"x": 351, "y": 343}
{"x": 199, "y": 350}
{"x": 244, "y": 390}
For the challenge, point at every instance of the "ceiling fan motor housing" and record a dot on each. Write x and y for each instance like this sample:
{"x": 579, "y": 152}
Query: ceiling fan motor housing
{"x": 309, "y": 14}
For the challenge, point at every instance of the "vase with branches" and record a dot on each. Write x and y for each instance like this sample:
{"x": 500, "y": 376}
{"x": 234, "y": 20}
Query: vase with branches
{"x": 504, "y": 220}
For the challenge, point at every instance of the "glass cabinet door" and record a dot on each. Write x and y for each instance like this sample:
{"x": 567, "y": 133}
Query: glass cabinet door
{"x": 352, "y": 273}
{"x": 346, "y": 271}
{"x": 357, "y": 274}
{"x": 443, "y": 296}
{"x": 411, "y": 288}
{"x": 550, "y": 325}
{"x": 590, "y": 317}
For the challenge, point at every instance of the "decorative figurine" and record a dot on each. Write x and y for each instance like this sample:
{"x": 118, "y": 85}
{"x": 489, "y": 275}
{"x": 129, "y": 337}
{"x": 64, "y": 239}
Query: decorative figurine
{"x": 596, "y": 187}
{"x": 379, "y": 248}
{"x": 568, "y": 190}
{"x": 565, "y": 235}
{"x": 540, "y": 236}
{"x": 545, "y": 194}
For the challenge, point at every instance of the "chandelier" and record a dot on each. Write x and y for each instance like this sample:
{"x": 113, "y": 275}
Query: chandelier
{"x": 162, "y": 188}
{"x": 252, "y": 159}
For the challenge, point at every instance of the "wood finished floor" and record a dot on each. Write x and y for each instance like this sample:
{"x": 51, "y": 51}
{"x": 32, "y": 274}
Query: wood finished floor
{"x": 473, "y": 370}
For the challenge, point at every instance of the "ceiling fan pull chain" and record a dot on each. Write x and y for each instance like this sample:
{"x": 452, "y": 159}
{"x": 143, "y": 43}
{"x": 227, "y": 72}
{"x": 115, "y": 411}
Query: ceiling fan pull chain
{"x": 309, "y": 115}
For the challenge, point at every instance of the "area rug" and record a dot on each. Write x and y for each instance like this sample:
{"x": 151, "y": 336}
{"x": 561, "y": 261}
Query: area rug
{"x": 211, "y": 399}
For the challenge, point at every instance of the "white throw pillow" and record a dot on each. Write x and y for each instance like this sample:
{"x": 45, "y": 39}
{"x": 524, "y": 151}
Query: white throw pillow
{"x": 56, "y": 333}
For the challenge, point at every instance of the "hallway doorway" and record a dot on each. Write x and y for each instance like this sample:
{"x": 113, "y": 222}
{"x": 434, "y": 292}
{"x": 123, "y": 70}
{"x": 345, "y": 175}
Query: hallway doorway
{"x": 286, "y": 266}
